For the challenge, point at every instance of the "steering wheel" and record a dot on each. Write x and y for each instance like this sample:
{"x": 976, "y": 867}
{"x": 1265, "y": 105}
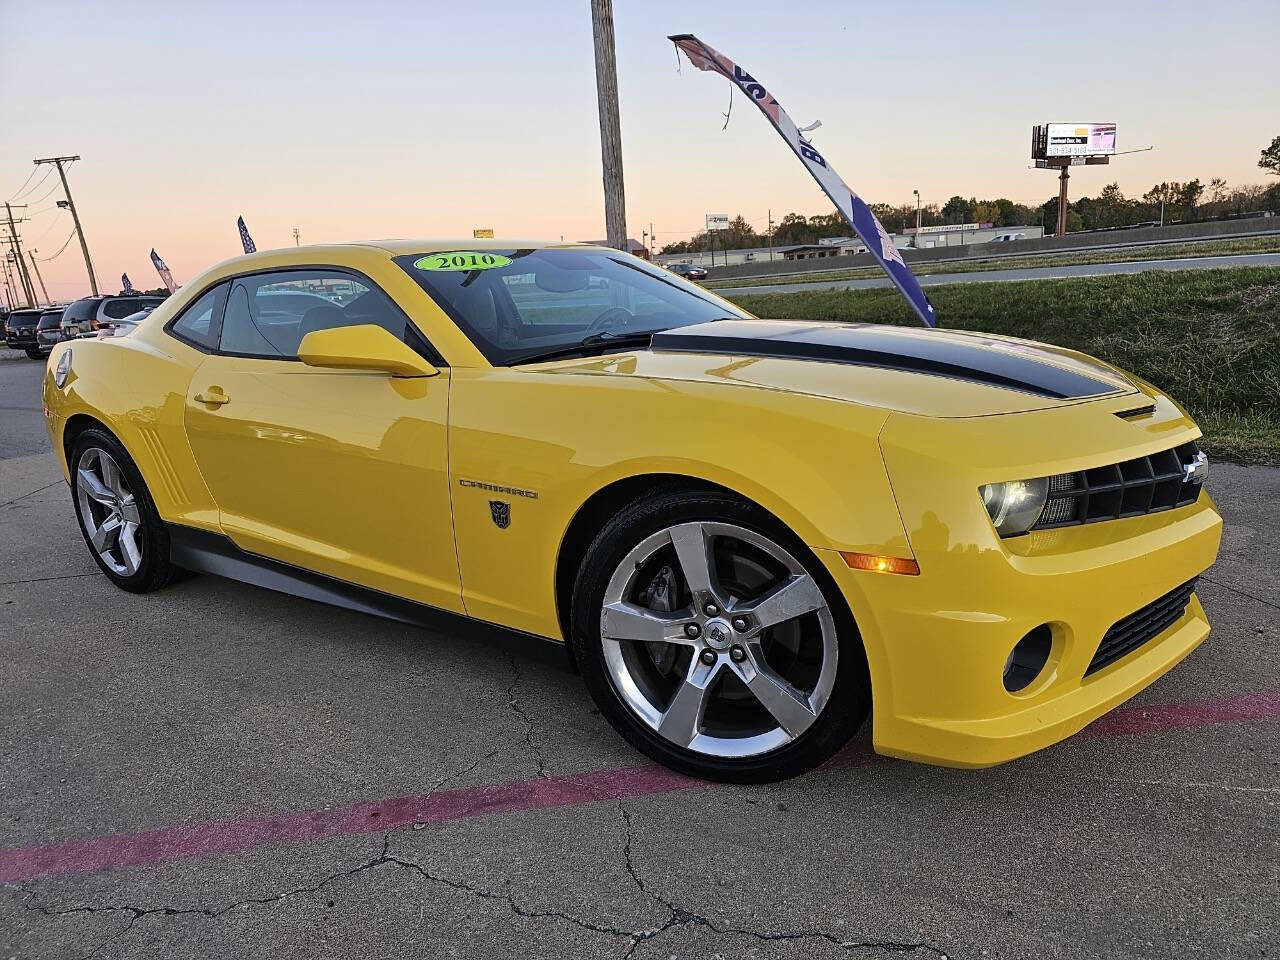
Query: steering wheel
{"x": 614, "y": 316}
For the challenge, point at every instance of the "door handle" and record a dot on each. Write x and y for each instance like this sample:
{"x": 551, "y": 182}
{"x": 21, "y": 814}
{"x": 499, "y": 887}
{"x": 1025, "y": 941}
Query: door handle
{"x": 214, "y": 397}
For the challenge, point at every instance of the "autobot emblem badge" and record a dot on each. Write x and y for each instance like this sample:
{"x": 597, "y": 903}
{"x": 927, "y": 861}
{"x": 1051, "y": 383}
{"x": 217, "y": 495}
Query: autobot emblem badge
{"x": 500, "y": 510}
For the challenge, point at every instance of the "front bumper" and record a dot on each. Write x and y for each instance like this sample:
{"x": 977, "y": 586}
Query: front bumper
{"x": 937, "y": 643}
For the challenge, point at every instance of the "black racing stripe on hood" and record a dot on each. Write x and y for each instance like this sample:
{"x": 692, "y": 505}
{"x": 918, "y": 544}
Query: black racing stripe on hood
{"x": 876, "y": 346}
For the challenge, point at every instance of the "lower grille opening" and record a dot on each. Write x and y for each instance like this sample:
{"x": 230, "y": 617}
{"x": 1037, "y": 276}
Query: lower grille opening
{"x": 1133, "y": 631}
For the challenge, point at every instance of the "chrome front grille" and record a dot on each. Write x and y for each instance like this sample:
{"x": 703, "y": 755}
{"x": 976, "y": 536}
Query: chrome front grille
{"x": 1161, "y": 481}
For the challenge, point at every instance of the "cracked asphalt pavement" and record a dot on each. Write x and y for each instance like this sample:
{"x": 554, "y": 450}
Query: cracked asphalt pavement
{"x": 219, "y": 771}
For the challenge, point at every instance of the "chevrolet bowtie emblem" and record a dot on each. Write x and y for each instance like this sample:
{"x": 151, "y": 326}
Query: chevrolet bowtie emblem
{"x": 1197, "y": 471}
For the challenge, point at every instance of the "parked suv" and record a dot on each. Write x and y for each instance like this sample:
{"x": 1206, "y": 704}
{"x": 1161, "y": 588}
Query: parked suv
{"x": 90, "y": 314}
{"x": 48, "y": 330}
{"x": 20, "y": 331}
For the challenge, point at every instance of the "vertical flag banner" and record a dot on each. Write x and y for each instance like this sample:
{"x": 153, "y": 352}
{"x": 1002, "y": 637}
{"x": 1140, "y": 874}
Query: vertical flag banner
{"x": 850, "y": 205}
{"x": 245, "y": 239}
{"x": 125, "y": 285}
{"x": 161, "y": 269}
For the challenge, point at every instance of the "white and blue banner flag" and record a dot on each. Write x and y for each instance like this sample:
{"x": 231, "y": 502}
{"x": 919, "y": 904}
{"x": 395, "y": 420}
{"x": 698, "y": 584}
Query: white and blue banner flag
{"x": 244, "y": 236}
{"x": 126, "y": 286}
{"x": 851, "y": 206}
{"x": 163, "y": 270}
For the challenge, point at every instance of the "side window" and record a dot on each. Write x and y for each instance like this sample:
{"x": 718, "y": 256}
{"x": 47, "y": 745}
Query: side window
{"x": 268, "y": 314}
{"x": 199, "y": 323}
{"x": 116, "y": 309}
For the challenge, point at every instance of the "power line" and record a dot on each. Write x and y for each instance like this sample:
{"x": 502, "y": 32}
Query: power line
{"x": 48, "y": 194}
{"x": 34, "y": 171}
{"x": 60, "y": 249}
{"x": 25, "y": 190}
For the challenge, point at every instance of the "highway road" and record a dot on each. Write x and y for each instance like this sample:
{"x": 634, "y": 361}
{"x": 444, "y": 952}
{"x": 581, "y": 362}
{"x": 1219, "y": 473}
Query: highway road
{"x": 1025, "y": 273}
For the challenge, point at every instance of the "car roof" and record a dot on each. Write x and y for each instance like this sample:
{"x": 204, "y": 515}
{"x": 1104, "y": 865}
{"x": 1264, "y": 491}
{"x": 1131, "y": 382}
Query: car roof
{"x": 397, "y": 248}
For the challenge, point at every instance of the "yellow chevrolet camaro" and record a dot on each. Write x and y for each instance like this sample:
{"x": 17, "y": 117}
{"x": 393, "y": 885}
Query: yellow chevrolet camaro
{"x": 750, "y": 534}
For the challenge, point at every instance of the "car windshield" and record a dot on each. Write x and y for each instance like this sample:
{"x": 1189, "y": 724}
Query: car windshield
{"x": 519, "y": 306}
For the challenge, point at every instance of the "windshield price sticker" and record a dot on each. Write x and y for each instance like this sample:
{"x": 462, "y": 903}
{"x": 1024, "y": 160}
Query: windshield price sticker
{"x": 462, "y": 260}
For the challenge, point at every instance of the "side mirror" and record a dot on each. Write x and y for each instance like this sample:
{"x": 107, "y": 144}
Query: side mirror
{"x": 365, "y": 346}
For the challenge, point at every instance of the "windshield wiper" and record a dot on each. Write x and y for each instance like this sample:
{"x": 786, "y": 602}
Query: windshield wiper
{"x": 604, "y": 338}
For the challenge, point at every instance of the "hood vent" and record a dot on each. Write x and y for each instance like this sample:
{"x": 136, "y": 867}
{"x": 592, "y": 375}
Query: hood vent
{"x": 937, "y": 353}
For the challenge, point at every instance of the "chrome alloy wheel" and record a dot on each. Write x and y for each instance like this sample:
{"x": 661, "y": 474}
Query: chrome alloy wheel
{"x": 108, "y": 512}
{"x": 718, "y": 639}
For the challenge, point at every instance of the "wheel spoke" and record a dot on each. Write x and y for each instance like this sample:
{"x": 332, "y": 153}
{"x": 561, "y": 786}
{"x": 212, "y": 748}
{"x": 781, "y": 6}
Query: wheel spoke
{"x": 682, "y": 721}
{"x": 94, "y": 488}
{"x": 129, "y": 552}
{"x": 110, "y": 475}
{"x": 784, "y": 702}
{"x": 105, "y": 536}
{"x": 693, "y": 550}
{"x": 626, "y": 621}
{"x": 792, "y": 598}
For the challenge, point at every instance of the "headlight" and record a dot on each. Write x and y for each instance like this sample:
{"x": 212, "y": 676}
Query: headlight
{"x": 63, "y": 369}
{"x": 1014, "y": 506}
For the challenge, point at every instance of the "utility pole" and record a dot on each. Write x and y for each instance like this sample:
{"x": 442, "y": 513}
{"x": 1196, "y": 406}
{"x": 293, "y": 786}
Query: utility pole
{"x": 8, "y": 283}
{"x": 769, "y": 214}
{"x": 8, "y": 259}
{"x": 34, "y": 266}
{"x": 297, "y": 237}
{"x": 28, "y": 287}
{"x": 653, "y": 242}
{"x": 615, "y": 208}
{"x": 917, "y": 236}
{"x": 71, "y": 205}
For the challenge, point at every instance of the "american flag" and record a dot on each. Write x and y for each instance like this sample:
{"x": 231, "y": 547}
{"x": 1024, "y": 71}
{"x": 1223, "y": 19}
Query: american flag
{"x": 244, "y": 236}
{"x": 161, "y": 269}
{"x": 127, "y": 287}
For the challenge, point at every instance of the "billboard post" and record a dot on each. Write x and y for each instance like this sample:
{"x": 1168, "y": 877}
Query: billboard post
{"x": 717, "y": 221}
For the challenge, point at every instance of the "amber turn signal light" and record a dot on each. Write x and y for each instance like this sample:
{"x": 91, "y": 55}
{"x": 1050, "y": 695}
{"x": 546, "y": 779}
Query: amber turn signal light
{"x": 879, "y": 564}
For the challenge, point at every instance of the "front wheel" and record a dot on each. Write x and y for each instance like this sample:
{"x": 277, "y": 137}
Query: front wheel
{"x": 715, "y": 642}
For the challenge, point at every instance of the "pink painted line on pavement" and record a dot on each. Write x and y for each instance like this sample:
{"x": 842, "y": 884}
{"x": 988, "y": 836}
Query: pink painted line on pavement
{"x": 167, "y": 844}
{"x": 1242, "y": 708}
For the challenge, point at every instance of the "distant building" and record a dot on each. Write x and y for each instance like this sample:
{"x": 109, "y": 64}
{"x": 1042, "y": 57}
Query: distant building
{"x": 958, "y": 234}
{"x": 940, "y": 236}
{"x": 634, "y": 246}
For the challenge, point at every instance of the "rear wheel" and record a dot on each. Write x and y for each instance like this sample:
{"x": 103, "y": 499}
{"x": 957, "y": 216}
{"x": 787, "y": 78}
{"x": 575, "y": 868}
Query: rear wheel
{"x": 33, "y": 353}
{"x": 715, "y": 642}
{"x": 118, "y": 518}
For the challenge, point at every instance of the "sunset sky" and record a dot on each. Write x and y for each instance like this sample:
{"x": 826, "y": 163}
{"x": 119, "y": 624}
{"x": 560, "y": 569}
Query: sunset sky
{"x": 361, "y": 121}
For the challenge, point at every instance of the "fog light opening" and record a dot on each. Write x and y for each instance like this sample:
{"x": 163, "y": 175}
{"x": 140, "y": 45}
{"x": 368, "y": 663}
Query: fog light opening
{"x": 1027, "y": 658}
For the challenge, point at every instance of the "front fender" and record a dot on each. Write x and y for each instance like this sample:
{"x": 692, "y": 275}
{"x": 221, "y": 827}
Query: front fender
{"x": 558, "y": 439}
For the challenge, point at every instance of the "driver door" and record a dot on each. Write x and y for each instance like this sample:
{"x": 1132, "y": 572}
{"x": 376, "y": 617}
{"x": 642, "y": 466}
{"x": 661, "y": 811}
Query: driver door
{"x": 341, "y": 472}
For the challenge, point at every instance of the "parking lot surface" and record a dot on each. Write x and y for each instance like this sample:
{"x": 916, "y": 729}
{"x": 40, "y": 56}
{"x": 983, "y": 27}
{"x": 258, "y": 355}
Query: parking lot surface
{"x": 220, "y": 771}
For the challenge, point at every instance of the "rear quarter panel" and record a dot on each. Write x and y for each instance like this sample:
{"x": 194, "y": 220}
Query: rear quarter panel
{"x": 137, "y": 388}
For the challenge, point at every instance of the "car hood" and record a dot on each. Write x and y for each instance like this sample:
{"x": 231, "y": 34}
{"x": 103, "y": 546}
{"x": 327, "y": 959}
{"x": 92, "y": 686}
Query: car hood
{"x": 940, "y": 373}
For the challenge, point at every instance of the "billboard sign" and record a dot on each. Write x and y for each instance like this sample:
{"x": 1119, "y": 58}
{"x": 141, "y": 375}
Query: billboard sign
{"x": 717, "y": 221}
{"x": 1080, "y": 139}
{"x": 482, "y": 233}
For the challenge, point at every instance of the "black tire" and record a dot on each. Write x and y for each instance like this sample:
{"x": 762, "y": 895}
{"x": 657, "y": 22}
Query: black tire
{"x": 156, "y": 569}
{"x": 34, "y": 354}
{"x": 850, "y": 700}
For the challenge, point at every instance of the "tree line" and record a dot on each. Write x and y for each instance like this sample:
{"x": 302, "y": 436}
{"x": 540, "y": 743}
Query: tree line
{"x": 1170, "y": 202}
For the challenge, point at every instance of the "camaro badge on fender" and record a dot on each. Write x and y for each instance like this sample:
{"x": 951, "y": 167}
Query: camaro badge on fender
{"x": 500, "y": 510}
